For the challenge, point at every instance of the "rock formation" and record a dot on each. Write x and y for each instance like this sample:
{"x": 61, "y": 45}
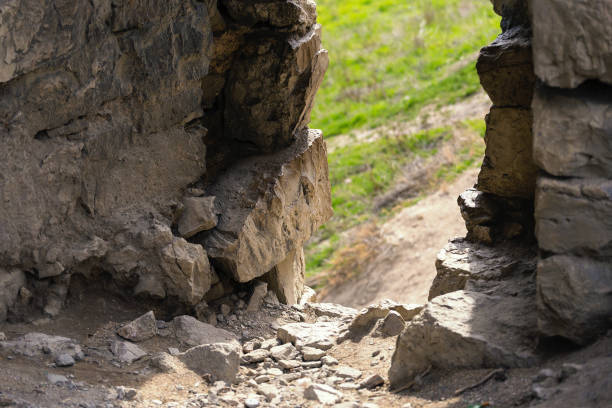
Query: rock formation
{"x": 159, "y": 145}
{"x": 537, "y": 258}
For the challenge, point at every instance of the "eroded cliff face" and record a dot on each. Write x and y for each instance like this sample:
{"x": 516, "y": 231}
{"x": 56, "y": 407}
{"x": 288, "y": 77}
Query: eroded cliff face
{"x": 158, "y": 145}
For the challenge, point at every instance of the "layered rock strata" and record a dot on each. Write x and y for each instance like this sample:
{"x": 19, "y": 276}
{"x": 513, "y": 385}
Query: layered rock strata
{"x": 121, "y": 120}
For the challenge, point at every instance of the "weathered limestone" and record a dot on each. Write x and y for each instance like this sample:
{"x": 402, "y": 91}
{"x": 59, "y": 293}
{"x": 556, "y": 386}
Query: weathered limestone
{"x": 574, "y": 297}
{"x": 117, "y": 122}
{"x": 467, "y": 330}
{"x": 139, "y": 329}
{"x": 508, "y": 168}
{"x": 260, "y": 226}
{"x": 574, "y": 216}
{"x": 573, "y": 145}
{"x": 573, "y": 131}
{"x": 461, "y": 260}
{"x": 560, "y": 59}
{"x": 199, "y": 214}
{"x": 287, "y": 278}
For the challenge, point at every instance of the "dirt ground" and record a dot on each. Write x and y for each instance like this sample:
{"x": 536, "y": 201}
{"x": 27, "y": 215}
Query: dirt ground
{"x": 405, "y": 267}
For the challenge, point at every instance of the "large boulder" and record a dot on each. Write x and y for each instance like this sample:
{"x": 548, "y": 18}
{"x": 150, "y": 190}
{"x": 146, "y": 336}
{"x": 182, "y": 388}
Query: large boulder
{"x": 572, "y": 131}
{"x": 467, "y": 329}
{"x": 271, "y": 206}
{"x": 574, "y": 297}
{"x": 571, "y": 41}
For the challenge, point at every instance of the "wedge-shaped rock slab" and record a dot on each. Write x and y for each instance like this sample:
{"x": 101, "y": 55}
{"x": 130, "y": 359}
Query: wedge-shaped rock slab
{"x": 190, "y": 331}
{"x": 272, "y": 204}
{"x": 461, "y": 260}
{"x": 466, "y": 330}
{"x": 321, "y": 335}
{"x": 221, "y": 360}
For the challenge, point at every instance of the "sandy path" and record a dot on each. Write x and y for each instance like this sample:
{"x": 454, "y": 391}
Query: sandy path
{"x": 405, "y": 267}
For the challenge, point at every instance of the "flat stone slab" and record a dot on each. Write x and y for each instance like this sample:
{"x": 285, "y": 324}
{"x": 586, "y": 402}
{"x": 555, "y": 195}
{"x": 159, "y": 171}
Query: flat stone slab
{"x": 321, "y": 335}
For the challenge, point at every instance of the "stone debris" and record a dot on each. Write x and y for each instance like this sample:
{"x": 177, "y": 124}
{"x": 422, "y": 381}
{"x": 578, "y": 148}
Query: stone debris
{"x": 289, "y": 364}
{"x": 192, "y": 332}
{"x": 372, "y": 381}
{"x": 199, "y": 214}
{"x": 322, "y": 393}
{"x": 37, "y": 344}
{"x": 57, "y": 379}
{"x": 219, "y": 359}
{"x": 393, "y": 324}
{"x": 256, "y": 356}
{"x": 344, "y": 371}
{"x": 127, "y": 352}
{"x": 286, "y": 351}
{"x": 260, "y": 289}
{"x": 64, "y": 360}
{"x": 140, "y": 329}
{"x": 312, "y": 354}
{"x": 321, "y": 335}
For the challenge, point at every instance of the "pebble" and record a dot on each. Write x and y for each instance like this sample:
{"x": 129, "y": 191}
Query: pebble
{"x": 56, "y": 378}
{"x": 348, "y": 372}
{"x": 329, "y": 360}
{"x": 64, "y": 360}
{"x": 256, "y": 356}
{"x": 372, "y": 381}
{"x": 312, "y": 354}
{"x": 225, "y": 309}
{"x": 312, "y": 364}
{"x": 274, "y": 372}
{"x": 251, "y": 402}
{"x": 289, "y": 364}
{"x": 173, "y": 351}
{"x": 156, "y": 402}
{"x": 262, "y": 379}
{"x": 2, "y": 336}
{"x": 267, "y": 390}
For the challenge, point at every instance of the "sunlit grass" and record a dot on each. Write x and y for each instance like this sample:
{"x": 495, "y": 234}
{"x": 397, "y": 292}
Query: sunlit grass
{"x": 389, "y": 58}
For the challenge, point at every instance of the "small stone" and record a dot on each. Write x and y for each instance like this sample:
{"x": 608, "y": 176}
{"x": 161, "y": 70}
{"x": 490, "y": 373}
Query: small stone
{"x": 329, "y": 360}
{"x": 348, "y": 372}
{"x": 57, "y": 379}
{"x": 199, "y": 214}
{"x": 156, "y": 402}
{"x": 262, "y": 379}
{"x": 348, "y": 386}
{"x": 372, "y": 381}
{"x": 225, "y": 309}
{"x": 545, "y": 374}
{"x": 274, "y": 372}
{"x": 393, "y": 324}
{"x": 260, "y": 290}
{"x": 2, "y": 336}
{"x": 568, "y": 369}
{"x": 251, "y": 402}
{"x": 312, "y": 354}
{"x": 269, "y": 343}
{"x": 369, "y": 405}
{"x": 323, "y": 394}
{"x": 267, "y": 390}
{"x": 125, "y": 393}
{"x": 64, "y": 360}
{"x": 140, "y": 329}
{"x": 407, "y": 405}
{"x": 352, "y": 404}
{"x": 173, "y": 351}
{"x": 289, "y": 364}
{"x": 127, "y": 352}
{"x": 284, "y": 352}
{"x": 256, "y": 356}
{"x": 251, "y": 345}
{"x": 311, "y": 364}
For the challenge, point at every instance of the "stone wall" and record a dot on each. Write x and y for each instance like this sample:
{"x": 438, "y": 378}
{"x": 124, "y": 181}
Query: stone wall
{"x": 161, "y": 145}
{"x": 572, "y": 127}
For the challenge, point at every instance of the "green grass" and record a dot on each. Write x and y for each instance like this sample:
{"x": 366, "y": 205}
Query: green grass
{"x": 389, "y": 58}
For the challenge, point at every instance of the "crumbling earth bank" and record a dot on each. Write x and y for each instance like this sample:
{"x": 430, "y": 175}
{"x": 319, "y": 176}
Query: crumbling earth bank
{"x": 160, "y": 147}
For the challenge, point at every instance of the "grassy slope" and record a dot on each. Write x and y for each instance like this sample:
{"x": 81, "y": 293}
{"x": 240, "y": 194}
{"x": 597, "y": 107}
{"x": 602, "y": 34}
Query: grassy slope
{"x": 389, "y": 59}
